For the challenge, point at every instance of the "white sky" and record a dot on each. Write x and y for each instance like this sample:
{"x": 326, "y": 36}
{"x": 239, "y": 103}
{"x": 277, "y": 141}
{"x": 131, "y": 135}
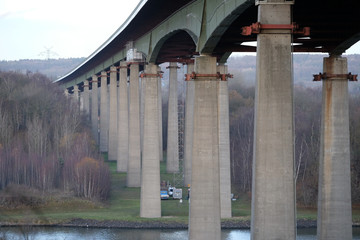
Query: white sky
{"x": 68, "y": 28}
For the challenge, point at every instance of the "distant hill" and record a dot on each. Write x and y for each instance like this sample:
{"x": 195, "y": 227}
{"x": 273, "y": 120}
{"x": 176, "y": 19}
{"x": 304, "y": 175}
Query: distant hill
{"x": 242, "y": 67}
{"x": 305, "y": 65}
{"x": 53, "y": 68}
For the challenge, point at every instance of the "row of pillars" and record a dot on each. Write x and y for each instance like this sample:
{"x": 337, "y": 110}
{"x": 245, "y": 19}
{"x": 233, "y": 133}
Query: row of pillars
{"x": 210, "y": 173}
{"x": 273, "y": 185}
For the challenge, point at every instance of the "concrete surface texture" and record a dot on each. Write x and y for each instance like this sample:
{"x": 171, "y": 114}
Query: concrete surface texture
{"x": 273, "y": 193}
{"x": 104, "y": 113}
{"x": 113, "y": 114}
{"x": 150, "y": 205}
{"x": 172, "y": 156}
{"x": 334, "y": 199}
{"x": 204, "y": 216}
{"x": 123, "y": 120}
{"x": 134, "y": 164}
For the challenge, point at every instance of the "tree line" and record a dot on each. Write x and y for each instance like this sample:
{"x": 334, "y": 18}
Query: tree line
{"x": 45, "y": 141}
{"x": 307, "y": 117}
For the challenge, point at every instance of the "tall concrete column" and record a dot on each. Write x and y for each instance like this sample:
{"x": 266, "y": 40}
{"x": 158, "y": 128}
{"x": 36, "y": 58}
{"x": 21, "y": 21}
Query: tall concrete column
{"x": 123, "y": 120}
{"x": 142, "y": 103}
{"x": 224, "y": 145}
{"x": 95, "y": 108}
{"x": 76, "y": 96}
{"x": 104, "y": 114}
{"x": 334, "y": 200}
{"x": 134, "y": 164}
{"x": 204, "y": 214}
{"x": 150, "y": 205}
{"x": 273, "y": 191}
{"x": 189, "y": 126}
{"x": 86, "y": 98}
{"x": 160, "y": 118}
{"x": 113, "y": 112}
{"x": 172, "y": 155}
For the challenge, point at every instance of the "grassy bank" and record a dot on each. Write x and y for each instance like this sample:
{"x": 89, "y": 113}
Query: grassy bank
{"x": 124, "y": 205}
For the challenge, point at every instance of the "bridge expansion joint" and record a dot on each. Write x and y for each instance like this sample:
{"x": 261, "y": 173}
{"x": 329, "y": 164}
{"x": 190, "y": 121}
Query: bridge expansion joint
{"x": 193, "y": 75}
{"x": 326, "y": 76}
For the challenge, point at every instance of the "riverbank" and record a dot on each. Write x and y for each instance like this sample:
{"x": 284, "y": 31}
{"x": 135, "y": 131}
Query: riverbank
{"x": 122, "y": 211}
{"x": 153, "y": 224}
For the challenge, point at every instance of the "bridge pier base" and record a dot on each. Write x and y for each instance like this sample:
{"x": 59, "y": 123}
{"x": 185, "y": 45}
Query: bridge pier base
{"x": 273, "y": 187}
{"x": 150, "y": 205}
{"x": 134, "y": 164}
{"x": 204, "y": 214}
{"x": 334, "y": 200}
{"x": 123, "y": 121}
{"x": 172, "y": 156}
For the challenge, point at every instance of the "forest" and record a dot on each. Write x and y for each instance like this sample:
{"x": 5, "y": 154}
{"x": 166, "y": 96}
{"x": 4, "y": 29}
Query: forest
{"x": 45, "y": 142}
{"x": 307, "y": 117}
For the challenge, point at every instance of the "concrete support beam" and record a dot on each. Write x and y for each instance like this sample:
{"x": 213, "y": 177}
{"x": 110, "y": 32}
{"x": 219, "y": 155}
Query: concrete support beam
{"x": 273, "y": 191}
{"x": 150, "y": 205}
{"x": 334, "y": 200}
{"x": 134, "y": 164}
{"x": 86, "y": 98}
{"x": 95, "y": 108}
{"x": 204, "y": 216}
{"x": 224, "y": 145}
{"x": 104, "y": 114}
{"x": 189, "y": 126}
{"x": 113, "y": 112}
{"x": 123, "y": 120}
{"x": 172, "y": 156}
{"x": 160, "y": 120}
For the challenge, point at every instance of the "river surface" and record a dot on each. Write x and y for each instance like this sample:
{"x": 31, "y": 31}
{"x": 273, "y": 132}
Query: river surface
{"x": 72, "y": 233}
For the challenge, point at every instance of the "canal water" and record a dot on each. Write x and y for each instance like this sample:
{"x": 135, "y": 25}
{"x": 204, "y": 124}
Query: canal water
{"x": 71, "y": 233}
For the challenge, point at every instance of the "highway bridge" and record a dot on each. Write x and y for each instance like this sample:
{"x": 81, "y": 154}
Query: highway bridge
{"x": 202, "y": 34}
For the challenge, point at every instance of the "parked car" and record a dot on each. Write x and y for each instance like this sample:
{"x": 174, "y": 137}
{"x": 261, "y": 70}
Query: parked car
{"x": 164, "y": 195}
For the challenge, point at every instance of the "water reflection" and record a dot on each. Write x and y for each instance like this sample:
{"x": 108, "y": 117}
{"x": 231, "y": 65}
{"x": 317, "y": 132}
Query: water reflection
{"x": 70, "y": 233}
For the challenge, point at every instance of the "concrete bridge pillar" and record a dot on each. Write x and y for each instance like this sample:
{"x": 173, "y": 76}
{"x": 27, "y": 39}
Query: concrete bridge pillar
{"x": 172, "y": 156}
{"x": 76, "y": 96}
{"x": 160, "y": 119}
{"x": 134, "y": 164}
{"x": 273, "y": 192}
{"x": 150, "y": 205}
{"x": 204, "y": 214}
{"x": 123, "y": 120}
{"x": 113, "y": 128}
{"x": 104, "y": 114}
{"x": 224, "y": 145}
{"x": 334, "y": 200}
{"x": 86, "y": 98}
{"x": 95, "y": 108}
{"x": 189, "y": 126}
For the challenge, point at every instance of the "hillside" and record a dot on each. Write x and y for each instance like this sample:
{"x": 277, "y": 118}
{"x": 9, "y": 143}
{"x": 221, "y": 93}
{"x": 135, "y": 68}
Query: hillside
{"x": 242, "y": 67}
{"x": 52, "y": 68}
{"x": 305, "y": 65}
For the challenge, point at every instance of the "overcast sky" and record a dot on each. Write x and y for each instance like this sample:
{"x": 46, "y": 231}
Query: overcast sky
{"x": 64, "y": 28}
{"x": 69, "y": 28}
